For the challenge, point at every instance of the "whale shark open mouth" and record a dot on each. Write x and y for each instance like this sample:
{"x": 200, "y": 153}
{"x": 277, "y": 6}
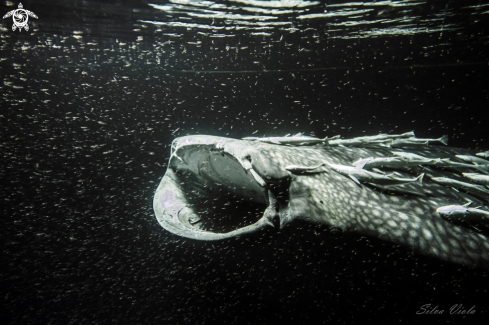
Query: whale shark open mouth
{"x": 209, "y": 193}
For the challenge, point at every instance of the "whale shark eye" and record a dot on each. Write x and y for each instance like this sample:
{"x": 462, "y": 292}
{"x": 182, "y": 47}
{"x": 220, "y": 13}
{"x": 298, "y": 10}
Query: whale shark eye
{"x": 335, "y": 232}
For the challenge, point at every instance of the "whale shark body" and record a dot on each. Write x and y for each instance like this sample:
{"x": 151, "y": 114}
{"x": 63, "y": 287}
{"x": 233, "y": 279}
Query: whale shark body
{"x": 218, "y": 188}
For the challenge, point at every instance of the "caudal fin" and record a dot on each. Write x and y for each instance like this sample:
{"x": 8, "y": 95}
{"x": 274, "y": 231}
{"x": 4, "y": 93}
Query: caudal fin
{"x": 419, "y": 179}
{"x": 444, "y": 140}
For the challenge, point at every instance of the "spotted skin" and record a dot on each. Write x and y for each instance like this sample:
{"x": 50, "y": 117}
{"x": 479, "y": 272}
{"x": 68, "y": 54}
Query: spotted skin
{"x": 405, "y": 215}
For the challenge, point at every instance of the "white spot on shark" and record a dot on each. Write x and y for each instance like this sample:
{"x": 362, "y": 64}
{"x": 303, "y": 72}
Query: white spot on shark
{"x": 427, "y": 234}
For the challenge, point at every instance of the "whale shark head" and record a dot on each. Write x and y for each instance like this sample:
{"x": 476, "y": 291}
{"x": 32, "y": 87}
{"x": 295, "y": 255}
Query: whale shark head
{"x": 217, "y": 188}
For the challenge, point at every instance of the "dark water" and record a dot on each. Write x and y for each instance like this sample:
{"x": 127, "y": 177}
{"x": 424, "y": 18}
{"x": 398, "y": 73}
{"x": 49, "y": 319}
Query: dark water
{"x": 94, "y": 93}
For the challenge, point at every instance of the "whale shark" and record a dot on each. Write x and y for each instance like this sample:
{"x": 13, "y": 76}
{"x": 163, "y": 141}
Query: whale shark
{"x": 217, "y": 188}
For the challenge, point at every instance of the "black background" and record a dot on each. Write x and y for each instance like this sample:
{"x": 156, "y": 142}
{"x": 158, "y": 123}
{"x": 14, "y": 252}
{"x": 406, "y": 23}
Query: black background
{"x": 86, "y": 124}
